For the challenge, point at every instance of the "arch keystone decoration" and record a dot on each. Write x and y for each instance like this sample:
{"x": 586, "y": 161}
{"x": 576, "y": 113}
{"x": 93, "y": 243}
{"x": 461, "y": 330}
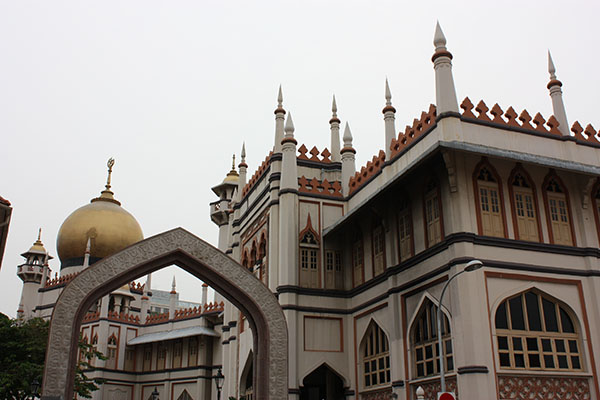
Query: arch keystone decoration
{"x": 175, "y": 247}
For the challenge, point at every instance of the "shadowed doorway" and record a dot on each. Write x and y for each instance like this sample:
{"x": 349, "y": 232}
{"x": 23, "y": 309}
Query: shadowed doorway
{"x": 322, "y": 384}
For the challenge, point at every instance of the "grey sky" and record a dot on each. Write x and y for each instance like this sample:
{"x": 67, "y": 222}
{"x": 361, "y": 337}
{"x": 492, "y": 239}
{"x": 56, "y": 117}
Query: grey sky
{"x": 171, "y": 89}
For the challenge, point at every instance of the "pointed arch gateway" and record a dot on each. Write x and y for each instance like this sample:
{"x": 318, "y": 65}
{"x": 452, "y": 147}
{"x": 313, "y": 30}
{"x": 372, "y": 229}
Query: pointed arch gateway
{"x": 181, "y": 248}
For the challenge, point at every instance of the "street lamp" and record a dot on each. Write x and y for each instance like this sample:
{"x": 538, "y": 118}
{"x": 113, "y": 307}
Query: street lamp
{"x": 219, "y": 378}
{"x": 154, "y": 394}
{"x": 471, "y": 266}
{"x": 35, "y": 385}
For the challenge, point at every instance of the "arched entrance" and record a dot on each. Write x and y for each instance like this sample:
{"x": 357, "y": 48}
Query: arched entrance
{"x": 181, "y": 248}
{"x": 322, "y": 383}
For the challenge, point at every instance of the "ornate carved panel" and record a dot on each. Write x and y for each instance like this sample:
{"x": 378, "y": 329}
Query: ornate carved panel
{"x": 383, "y": 394}
{"x": 543, "y": 388}
{"x": 433, "y": 386}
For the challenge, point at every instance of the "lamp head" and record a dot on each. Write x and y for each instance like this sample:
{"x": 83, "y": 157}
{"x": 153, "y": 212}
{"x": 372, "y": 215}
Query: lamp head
{"x": 473, "y": 265}
{"x": 219, "y": 379}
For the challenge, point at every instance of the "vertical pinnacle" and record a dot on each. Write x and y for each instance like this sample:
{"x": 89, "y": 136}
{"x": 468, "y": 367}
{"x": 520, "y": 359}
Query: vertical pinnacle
{"x": 243, "y": 152}
{"x": 289, "y": 126}
{"x": 388, "y": 94}
{"x": 334, "y": 107}
{"x": 439, "y": 40}
{"x": 347, "y": 136}
{"x": 551, "y": 68}
{"x": 280, "y": 98}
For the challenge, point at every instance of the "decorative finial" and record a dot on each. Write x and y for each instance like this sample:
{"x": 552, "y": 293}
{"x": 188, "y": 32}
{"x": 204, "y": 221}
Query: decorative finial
{"x": 109, "y": 164}
{"x": 289, "y": 126}
{"x": 388, "y": 94}
{"x": 334, "y": 107}
{"x": 551, "y": 68}
{"x": 243, "y": 152}
{"x": 39, "y": 239}
{"x": 439, "y": 40}
{"x": 347, "y": 136}
{"x": 173, "y": 285}
{"x": 280, "y": 98}
{"x": 233, "y": 162}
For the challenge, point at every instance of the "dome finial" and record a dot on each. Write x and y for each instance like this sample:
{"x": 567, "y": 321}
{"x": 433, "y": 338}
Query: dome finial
{"x": 109, "y": 164}
{"x": 39, "y": 239}
{"x": 233, "y": 162}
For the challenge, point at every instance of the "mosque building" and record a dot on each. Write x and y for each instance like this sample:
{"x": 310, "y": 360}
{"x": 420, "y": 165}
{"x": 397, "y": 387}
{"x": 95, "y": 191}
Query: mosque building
{"x": 359, "y": 259}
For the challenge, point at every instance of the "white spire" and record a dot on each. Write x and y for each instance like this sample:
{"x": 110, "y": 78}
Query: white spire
{"x": 558, "y": 106}
{"x": 551, "y": 68}
{"x": 445, "y": 92}
{"x": 243, "y": 155}
{"x": 280, "y": 98}
{"x": 334, "y": 123}
{"x": 86, "y": 257}
{"x": 388, "y": 94}
{"x": 347, "y": 136}
{"x": 173, "y": 285}
{"x": 289, "y": 126}
{"x": 439, "y": 40}
{"x": 389, "y": 119}
{"x": 334, "y": 107}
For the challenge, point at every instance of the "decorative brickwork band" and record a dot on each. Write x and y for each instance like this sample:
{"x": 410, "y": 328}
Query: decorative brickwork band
{"x": 366, "y": 172}
{"x": 322, "y": 188}
{"x": 314, "y": 154}
{"x": 431, "y": 388}
{"x": 257, "y": 175}
{"x": 411, "y": 133}
{"x": 543, "y": 388}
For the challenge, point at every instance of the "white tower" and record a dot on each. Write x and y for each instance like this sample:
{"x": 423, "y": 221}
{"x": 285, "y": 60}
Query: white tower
{"x": 334, "y": 123}
{"x": 558, "y": 106}
{"x": 445, "y": 92}
{"x": 348, "y": 160}
{"x": 389, "y": 117}
{"x": 31, "y": 273}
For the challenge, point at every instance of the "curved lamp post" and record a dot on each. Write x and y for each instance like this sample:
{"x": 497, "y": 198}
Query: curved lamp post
{"x": 219, "y": 378}
{"x": 471, "y": 266}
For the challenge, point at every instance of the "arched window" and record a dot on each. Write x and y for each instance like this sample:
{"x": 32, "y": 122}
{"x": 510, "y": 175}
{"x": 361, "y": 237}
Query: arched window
{"x": 534, "y": 331}
{"x": 111, "y": 361}
{"x": 262, "y": 256}
{"x": 375, "y": 357}
{"x": 596, "y": 203}
{"x": 358, "y": 260}
{"x": 253, "y": 256}
{"x": 309, "y": 256}
{"x": 193, "y": 352}
{"x": 426, "y": 358}
{"x": 558, "y": 212}
{"x": 432, "y": 208}
{"x": 405, "y": 231}
{"x": 489, "y": 200}
{"x": 524, "y": 205}
{"x": 378, "y": 239}
{"x": 245, "y": 260}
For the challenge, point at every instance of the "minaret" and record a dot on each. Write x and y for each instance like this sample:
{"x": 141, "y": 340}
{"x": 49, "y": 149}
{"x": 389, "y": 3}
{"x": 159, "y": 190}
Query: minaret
{"x": 243, "y": 170}
{"x": 288, "y": 208}
{"x": 31, "y": 273}
{"x": 86, "y": 256}
{"x": 389, "y": 117}
{"x": 219, "y": 210}
{"x": 172, "y": 300}
{"x": 279, "y": 119}
{"x": 348, "y": 160}
{"x": 558, "y": 107}
{"x": 145, "y": 309}
{"x": 334, "y": 122}
{"x": 445, "y": 92}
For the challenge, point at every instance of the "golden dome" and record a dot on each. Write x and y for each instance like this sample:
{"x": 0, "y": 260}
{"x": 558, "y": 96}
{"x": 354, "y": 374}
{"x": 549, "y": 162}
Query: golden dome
{"x": 109, "y": 227}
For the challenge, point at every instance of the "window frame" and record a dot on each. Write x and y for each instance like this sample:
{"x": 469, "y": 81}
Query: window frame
{"x": 424, "y": 316}
{"x": 405, "y": 212}
{"x": 357, "y": 256}
{"x": 378, "y": 226}
{"x": 379, "y": 338}
{"x": 543, "y": 334}
{"x": 477, "y": 184}
{"x": 553, "y": 176}
{"x": 433, "y": 186}
{"x": 518, "y": 169}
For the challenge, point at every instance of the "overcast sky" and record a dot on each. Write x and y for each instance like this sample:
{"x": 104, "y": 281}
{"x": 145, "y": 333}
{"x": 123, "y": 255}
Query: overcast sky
{"x": 171, "y": 89}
